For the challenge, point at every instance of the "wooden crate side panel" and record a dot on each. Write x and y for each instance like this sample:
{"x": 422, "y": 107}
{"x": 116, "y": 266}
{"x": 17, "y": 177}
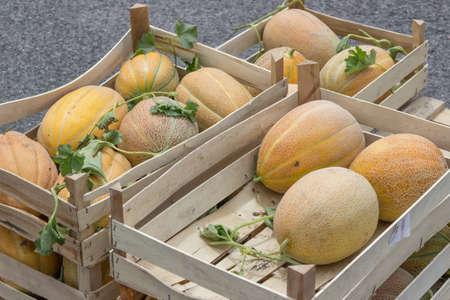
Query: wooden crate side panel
{"x": 36, "y": 281}
{"x": 432, "y": 272}
{"x": 223, "y": 282}
{"x": 425, "y": 107}
{"x": 9, "y": 293}
{"x": 243, "y": 40}
{"x": 96, "y": 247}
{"x": 18, "y": 109}
{"x": 107, "y": 292}
{"x": 443, "y": 293}
{"x": 381, "y": 247}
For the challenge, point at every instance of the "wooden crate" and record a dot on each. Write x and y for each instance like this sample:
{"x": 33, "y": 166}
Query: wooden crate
{"x": 166, "y": 258}
{"x": 84, "y": 246}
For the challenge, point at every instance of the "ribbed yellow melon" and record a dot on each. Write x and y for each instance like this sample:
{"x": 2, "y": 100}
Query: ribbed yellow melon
{"x": 333, "y": 76}
{"x": 393, "y": 286}
{"x": 400, "y": 167}
{"x": 143, "y": 131}
{"x": 73, "y": 116}
{"x": 291, "y": 58}
{"x": 22, "y": 250}
{"x": 298, "y": 29}
{"x": 420, "y": 259}
{"x": 28, "y": 159}
{"x": 327, "y": 215}
{"x": 113, "y": 164}
{"x": 315, "y": 135}
{"x": 145, "y": 73}
{"x": 217, "y": 94}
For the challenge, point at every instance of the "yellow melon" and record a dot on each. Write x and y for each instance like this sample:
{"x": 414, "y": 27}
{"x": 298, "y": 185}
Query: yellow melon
{"x": 327, "y": 215}
{"x": 400, "y": 167}
{"x": 73, "y": 116}
{"x": 315, "y": 135}
{"x": 146, "y": 73}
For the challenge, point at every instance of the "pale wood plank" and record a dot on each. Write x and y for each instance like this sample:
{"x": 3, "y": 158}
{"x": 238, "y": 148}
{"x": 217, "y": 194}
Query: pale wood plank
{"x": 408, "y": 90}
{"x": 168, "y": 257}
{"x": 418, "y": 32}
{"x": 425, "y": 107}
{"x": 394, "y": 74}
{"x": 308, "y": 81}
{"x": 107, "y": 292}
{"x": 443, "y": 293}
{"x": 301, "y": 281}
{"x": 443, "y": 117}
{"x": 139, "y": 22}
{"x": 432, "y": 272}
{"x": 96, "y": 247}
{"x": 9, "y": 293}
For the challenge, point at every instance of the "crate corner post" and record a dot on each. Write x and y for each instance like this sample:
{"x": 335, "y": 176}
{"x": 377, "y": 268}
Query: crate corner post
{"x": 139, "y": 22}
{"x": 308, "y": 81}
{"x": 276, "y": 73}
{"x": 301, "y": 280}
{"x": 418, "y": 32}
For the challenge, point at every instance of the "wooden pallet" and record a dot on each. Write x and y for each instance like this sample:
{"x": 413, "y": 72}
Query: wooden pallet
{"x": 166, "y": 258}
{"x": 86, "y": 247}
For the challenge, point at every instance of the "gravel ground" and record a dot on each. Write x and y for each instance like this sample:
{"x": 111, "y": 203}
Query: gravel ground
{"x": 45, "y": 45}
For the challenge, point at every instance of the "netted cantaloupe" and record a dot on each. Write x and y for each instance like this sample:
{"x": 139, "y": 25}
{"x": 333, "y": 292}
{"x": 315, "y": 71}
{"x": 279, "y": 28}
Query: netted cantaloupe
{"x": 333, "y": 76}
{"x": 327, "y": 215}
{"x": 393, "y": 286}
{"x": 114, "y": 164}
{"x": 291, "y": 58}
{"x": 146, "y": 73}
{"x": 217, "y": 94}
{"x": 420, "y": 259}
{"x": 22, "y": 250}
{"x": 28, "y": 159}
{"x": 315, "y": 135}
{"x": 299, "y": 29}
{"x": 400, "y": 167}
{"x": 75, "y": 114}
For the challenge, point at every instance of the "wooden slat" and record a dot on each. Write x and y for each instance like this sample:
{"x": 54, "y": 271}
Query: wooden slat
{"x": 425, "y": 107}
{"x": 214, "y": 151}
{"x": 18, "y": 109}
{"x": 398, "y": 253}
{"x": 381, "y": 247}
{"x": 96, "y": 247}
{"x": 36, "y": 197}
{"x": 443, "y": 117}
{"x": 443, "y": 293}
{"x": 107, "y": 292}
{"x": 308, "y": 81}
{"x": 36, "y": 281}
{"x": 394, "y": 74}
{"x": 390, "y": 120}
{"x": 9, "y": 293}
{"x": 432, "y": 272}
{"x": 408, "y": 90}
{"x": 225, "y": 283}
{"x": 139, "y": 22}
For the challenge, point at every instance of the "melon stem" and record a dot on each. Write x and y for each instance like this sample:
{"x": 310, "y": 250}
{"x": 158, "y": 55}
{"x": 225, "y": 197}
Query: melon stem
{"x": 235, "y": 230}
{"x": 257, "y": 179}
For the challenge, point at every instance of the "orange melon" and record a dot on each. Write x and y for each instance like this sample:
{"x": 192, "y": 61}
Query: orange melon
{"x": 333, "y": 76}
{"x": 28, "y": 159}
{"x": 146, "y": 132}
{"x": 146, "y": 73}
{"x": 327, "y": 215}
{"x": 393, "y": 286}
{"x": 315, "y": 135}
{"x": 75, "y": 114}
{"x": 217, "y": 94}
{"x": 299, "y": 29}
{"x": 400, "y": 167}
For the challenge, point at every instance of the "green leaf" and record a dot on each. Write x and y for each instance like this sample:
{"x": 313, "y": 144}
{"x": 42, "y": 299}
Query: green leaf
{"x": 270, "y": 212}
{"x": 358, "y": 60}
{"x": 192, "y": 66}
{"x": 393, "y": 51}
{"x": 343, "y": 44}
{"x": 114, "y": 137}
{"x": 69, "y": 162}
{"x": 215, "y": 233}
{"x": 173, "y": 109}
{"x": 145, "y": 45}
{"x": 107, "y": 119}
{"x": 187, "y": 34}
{"x": 93, "y": 165}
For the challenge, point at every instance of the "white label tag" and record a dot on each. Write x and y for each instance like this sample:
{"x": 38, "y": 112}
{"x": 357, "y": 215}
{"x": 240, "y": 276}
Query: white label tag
{"x": 401, "y": 230}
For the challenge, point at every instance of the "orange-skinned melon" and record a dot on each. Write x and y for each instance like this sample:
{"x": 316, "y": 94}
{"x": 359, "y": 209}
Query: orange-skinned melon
{"x": 400, "y": 167}
{"x": 327, "y": 215}
{"x": 28, "y": 159}
{"x": 75, "y": 114}
{"x": 315, "y": 135}
{"x": 299, "y": 29}
{"x": 146, "y": 73}
{"x": 217, "y": 94}
{"x": 333, "y": 76}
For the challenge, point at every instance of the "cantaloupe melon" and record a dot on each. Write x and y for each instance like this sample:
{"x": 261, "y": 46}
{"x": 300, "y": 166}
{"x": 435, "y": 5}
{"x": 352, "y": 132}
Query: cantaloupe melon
{"x": 28, "y": 159}
{"x": 146, "y": 73}
{"x": 400, "y": 167}
{"x": 73, "y": 116}
{"x": 333, "y": 76}
{"x": 217, "y": 94}
{"x": 143, "y": 131}
{"x": 393, "y": 286}
{"x": 327, "y": 215}
{"x": 299, "y": 29}
{"x": 315, "y": 135}
{"x": 291, "y": 58}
